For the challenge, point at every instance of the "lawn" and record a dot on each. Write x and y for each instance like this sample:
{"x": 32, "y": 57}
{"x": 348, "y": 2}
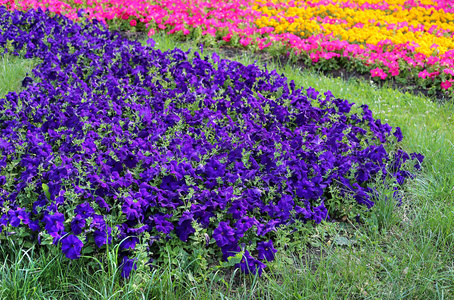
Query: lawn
{"x": 401, "y": 248}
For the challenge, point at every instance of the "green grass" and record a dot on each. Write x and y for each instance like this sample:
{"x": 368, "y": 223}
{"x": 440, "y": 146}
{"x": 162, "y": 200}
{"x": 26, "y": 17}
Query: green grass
{"x": 403, "y": 253}
{"x": 12, "y": 70}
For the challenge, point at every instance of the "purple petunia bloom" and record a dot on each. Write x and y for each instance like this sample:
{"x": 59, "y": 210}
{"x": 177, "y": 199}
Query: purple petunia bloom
{"x": 3, "y": 222}
{"x": 84, "y": 210}
{"x": 127, "y": 266}
{"x": 214, "y": 169}
{"x": 320, "y": 213}
{"x": 238, "y": 209}
{"x": 283, "y": 208}
{"x": 130, "y": 161}
{"x": 419, "y": 158}
{"x": 129, "y": 243}
{"x": 266, "y": 250}
{"x": 306, "y": 214}
{"x": 57, "y": 236}
{"x": 162, "y": 225}
{"x": 224, "y": 234}
{"x": 184, "y": 228}
{"x": 102, "y": 236}
{"x": 376, "y": 153}
{"x": 305, "y": 189}
{"x": 98, "y": 222}
{"x": 16, "y": 216}
{"x": 102, "y": 203}
{"x": 54, "y": 223}
{"x": 230, "y": 250}
{"x": 77, "y": 224}
{"x": 398, "y": 134}
{"x": 132, "y": 209}
{"x": 71, "y": 246}
{"x": 249, "y": 264}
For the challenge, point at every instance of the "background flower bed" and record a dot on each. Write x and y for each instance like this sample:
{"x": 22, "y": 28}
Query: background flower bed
{"x": 405, "y": 42}
{"x": 116, "y": 142}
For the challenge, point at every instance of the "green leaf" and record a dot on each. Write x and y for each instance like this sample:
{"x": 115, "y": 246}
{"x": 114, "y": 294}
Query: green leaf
{"x": 88, "y": 250}
{"x": 280, "y": 90}
{"x": 46, "y": 190}
{"x": 343, "y": 241}
{"x": 28, "y": 245}
{"x": 232, "y": 260}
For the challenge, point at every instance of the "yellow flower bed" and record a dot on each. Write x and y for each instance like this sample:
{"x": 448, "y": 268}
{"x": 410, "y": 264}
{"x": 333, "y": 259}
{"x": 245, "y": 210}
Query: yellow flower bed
{"x": 392, "y": 20}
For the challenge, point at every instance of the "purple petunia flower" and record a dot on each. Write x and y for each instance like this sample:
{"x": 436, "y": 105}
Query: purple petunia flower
{"x": 84, "y": 210}
{"x": 398, "y": 134}
{"x": 98, "y": 222}
{"x": 132, "y": 209}
{"x": 77, "y": 224}
{"x": 18, "y": 215}
{"x": 184, "y": 228}
{"x": 224, "y": 234}
{"x": 3, "y": 222}
{"x": 249, "y": 264}
{"x": 127, "y": 266}
{"x": 71, "y": 246}
{"x": 162, "y": 225}
{"x": 266, "y": 250}
{"x": 214, "y": 169}
{"x": 419, "y": 158}
{"x": 54, "y": 223}
{"x": 230, "y": 250}
{"x": 129, "y": 243}
{"x": 130, "y": 161}
{"x": 320, "y": 213}
{"x": 101, "y": 238}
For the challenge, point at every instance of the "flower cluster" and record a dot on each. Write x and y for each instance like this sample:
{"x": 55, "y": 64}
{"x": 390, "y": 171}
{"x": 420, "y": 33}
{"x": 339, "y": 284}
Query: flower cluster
{"x": 393, "y": 36}
{"x": 112, "y": 142}
{"x": 365, "y": 23}
{"x": 399, "y": 37}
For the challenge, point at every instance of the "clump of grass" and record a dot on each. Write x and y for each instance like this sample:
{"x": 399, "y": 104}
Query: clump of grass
{"x": 13, "y": 70}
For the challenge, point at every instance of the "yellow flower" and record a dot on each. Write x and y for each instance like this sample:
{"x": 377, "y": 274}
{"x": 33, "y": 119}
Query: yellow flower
{"x": 373, "y": 22}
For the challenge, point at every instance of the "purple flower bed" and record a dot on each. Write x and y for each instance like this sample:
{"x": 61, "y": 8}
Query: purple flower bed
{"x": 117, "y": 143}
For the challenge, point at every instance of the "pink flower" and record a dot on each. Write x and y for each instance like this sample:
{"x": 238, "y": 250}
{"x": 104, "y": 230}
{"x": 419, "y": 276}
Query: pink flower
{"x": 448, "y": 71}
{"x": 211, "y": 31}
{"x": 423, "y": 74}
{"x": 133, "y": 23}
{"x": 446, "y": 84}
{"x": 245, "y": 41}
{"x": 432, "y": 60}
{"x": 151, "y": 32}
{"x": 315, "y": 57}
{"x": 394, "y": 71}
{"x": 377, "y": 72}
{"x": 263, "y": 46}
